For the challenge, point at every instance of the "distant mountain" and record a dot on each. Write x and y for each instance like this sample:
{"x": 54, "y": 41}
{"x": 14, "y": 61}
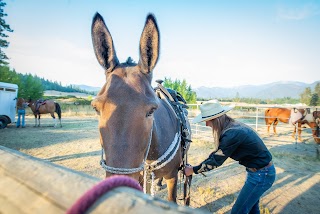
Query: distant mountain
{"x": 88, "y": 88}
{"x": 267, "y": 91}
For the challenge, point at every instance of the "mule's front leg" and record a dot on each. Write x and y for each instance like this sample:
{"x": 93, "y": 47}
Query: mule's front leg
{"x": 172, "y": 188}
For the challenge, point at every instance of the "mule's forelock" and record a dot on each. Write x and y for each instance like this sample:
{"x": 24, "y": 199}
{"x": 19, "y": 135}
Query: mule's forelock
{"x": 149, "y": 45}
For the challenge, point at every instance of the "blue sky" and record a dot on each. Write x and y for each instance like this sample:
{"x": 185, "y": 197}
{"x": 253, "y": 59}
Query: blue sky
{"x": 206, "y": 42}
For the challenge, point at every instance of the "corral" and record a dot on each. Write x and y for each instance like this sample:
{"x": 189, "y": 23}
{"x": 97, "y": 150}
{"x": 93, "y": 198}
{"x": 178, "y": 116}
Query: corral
{"x": 76, "y": 146}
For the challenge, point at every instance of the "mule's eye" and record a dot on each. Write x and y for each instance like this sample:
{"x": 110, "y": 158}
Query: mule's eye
{"x": 149, "y": 114}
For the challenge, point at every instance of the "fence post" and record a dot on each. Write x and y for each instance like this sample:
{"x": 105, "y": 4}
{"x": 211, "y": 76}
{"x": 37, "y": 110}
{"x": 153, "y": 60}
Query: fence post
{"x": 257, "y": 117}
{"x": 296, "y": 134}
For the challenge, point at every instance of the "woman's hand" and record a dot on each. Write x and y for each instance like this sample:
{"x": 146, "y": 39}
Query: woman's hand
{"x": 188, "y": 170}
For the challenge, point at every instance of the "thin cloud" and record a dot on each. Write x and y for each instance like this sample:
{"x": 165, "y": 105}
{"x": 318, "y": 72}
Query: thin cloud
{"x": 298, "y": 13}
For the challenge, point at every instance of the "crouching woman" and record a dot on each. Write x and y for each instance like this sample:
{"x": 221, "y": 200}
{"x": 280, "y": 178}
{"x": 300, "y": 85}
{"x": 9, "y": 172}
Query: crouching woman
{"x": 240, "y": 142}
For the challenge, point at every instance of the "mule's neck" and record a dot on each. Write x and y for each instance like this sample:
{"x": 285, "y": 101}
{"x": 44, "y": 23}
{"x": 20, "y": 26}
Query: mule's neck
{"x": 165, "y": 128}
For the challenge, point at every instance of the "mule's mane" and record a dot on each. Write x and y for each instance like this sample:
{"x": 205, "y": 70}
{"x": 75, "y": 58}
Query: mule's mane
{"x": 129, "y": 62}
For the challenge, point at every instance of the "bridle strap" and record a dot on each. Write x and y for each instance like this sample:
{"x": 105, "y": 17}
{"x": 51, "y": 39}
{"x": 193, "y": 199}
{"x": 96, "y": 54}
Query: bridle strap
{"x": 163, "y": 160}
{"x": 122, "y": 171}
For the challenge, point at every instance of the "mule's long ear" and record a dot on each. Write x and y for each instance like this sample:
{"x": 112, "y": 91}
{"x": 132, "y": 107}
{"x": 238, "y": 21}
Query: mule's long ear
{"x": 149, "y": 45}
{"x": 103, "y": 44}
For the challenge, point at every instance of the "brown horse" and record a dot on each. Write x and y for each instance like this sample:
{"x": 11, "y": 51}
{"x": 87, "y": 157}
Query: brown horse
{"x": 47, "y": 106}
{"x": 274, "y": 115}
{"x": 295, "y": 117}
{"x": 139, "y": 132}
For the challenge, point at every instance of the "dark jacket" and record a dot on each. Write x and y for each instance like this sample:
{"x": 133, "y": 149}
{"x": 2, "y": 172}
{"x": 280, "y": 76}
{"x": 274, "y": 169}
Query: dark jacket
{"x": 241, "y": 143}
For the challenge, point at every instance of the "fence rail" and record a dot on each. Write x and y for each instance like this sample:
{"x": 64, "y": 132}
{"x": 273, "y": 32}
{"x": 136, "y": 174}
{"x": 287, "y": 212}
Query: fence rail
{"x": 252, "y": 115}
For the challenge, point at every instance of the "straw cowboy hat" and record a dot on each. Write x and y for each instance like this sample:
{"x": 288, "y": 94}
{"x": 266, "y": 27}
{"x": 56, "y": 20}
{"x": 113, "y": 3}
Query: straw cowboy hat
{"x": 210, "y": 110}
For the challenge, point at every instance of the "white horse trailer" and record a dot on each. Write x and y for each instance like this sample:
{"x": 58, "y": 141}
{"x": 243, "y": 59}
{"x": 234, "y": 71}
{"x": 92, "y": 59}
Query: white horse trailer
{"x": 8, "y": 103}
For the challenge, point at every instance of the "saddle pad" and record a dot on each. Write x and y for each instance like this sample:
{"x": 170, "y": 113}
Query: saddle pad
{"x": 295, "y": 116}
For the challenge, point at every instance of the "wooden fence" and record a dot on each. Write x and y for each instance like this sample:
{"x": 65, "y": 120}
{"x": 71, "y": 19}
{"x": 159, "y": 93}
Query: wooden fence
{"x": 31, "y": 185}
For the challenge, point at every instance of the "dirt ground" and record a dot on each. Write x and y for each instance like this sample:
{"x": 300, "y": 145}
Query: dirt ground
{"x": 76, "y": 146}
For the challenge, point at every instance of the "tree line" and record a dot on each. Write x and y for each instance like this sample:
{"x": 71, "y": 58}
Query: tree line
{"x": 32, "y": 86}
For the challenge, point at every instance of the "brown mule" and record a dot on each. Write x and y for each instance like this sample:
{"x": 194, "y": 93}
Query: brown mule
{"x": 274, "y": 115}
{"x": 139, "y": 132}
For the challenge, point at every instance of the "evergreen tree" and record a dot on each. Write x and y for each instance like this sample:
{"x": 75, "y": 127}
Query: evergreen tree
{"x": 317, "y": 89}
{"x": 183, "y": 88}
{"x": 305, "y": 97}
{"x": 6, "y": 75}
{"x": 33, "y": 88}
{"x": 237, "y": 98}
{"x": 314, "y": 99}
{"x": 3, "y": 28}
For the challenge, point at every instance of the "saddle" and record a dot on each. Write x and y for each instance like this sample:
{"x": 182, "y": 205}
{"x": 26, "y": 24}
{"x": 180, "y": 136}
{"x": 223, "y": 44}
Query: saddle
{"x": 39, "y": 103}
{"x": 178, "y": 104}
{"x": 295, "y": 116}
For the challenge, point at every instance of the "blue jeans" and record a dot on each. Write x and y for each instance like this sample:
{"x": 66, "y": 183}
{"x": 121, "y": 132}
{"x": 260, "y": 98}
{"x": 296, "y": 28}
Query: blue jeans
{"x": 256, "y": 184}
{"x": 21, "y": 114}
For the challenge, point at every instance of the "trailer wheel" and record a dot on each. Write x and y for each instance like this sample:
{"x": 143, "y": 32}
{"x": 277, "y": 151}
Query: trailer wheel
{"x": 3, "y": 122}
